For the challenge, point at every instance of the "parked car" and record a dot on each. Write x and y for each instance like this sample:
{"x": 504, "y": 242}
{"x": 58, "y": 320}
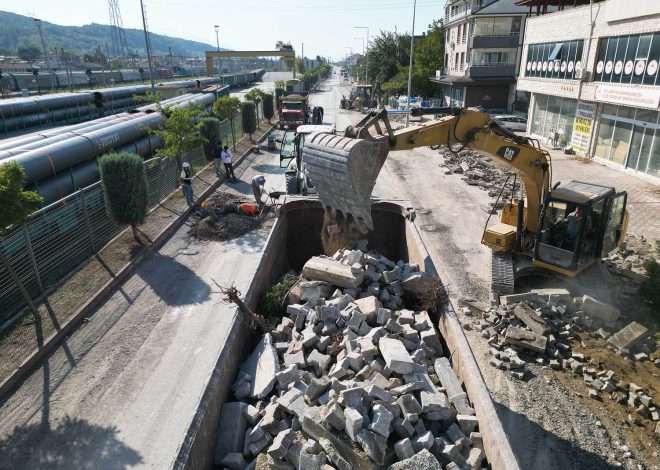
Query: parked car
{"x": 511, "y": 122}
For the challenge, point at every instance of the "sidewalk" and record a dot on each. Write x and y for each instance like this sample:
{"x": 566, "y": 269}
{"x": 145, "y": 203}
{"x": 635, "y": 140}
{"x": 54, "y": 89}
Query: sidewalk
{"x": 29, "y": 335}
{"x": 643, "y": 196}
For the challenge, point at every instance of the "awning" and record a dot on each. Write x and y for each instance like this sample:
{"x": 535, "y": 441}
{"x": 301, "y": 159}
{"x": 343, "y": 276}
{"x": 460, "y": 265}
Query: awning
{"x": 467, "y": 81}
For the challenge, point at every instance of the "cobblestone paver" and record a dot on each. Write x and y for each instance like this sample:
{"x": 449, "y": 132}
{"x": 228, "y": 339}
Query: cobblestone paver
{"x": 643, "y": 196}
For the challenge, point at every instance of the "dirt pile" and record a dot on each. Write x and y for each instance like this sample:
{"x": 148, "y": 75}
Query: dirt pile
{"x": 222, "y": 219}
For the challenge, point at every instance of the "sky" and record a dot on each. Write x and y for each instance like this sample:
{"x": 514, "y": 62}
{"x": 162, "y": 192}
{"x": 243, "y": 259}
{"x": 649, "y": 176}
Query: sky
{"x": 325, "y": 27}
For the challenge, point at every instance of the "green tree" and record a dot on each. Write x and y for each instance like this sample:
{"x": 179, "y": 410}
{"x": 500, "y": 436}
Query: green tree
{"x": 181, "y": 132}
{"x": 124, "y": 184}
{"x": 228, "y": 107}
{"x": 256, "y": 95}
{"x": 269, "y": 110}
{"x": 16, "y": 205}
{"x": 428, "y": 57}
{"x": 249, "y": 115}
{"x": 210, "y": 130}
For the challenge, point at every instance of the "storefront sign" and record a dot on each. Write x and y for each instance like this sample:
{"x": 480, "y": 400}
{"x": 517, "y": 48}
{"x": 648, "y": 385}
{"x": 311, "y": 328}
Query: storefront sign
{"x": 582, "y": 125}
{"x": 645, "y": 98}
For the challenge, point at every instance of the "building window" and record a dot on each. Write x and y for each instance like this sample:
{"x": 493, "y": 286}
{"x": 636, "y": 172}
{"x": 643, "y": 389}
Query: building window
{"x": 553, "y": 114}
{"x": 497, "y": 26}
{"x": 628, "y": 59}
{"x": 490, "y": 57}
{"x": 630, "y": 137}
{"x": 465, "y": 27}
{"x": 554, "y": 59}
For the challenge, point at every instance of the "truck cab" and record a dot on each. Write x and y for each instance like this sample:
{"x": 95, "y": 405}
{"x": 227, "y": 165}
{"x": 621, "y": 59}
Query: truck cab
{"x": 292, "y": 111}
{"x": 291, "y": 151}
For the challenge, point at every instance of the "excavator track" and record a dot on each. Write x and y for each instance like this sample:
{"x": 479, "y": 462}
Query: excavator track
{"x": 503, "y": 273}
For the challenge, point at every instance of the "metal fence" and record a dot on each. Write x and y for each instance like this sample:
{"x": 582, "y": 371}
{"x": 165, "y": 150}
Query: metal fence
{"x": 62, "y": 235}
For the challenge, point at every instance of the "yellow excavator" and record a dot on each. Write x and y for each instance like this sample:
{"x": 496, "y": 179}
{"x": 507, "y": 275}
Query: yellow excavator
{"x": 562, "y": 228}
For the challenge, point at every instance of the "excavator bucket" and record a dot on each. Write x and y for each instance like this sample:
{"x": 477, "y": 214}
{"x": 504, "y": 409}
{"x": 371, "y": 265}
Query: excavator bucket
{"x": 344, "y": 171}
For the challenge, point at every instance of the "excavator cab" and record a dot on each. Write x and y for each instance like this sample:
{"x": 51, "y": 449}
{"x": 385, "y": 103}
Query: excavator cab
{"x": 581, "y": 222}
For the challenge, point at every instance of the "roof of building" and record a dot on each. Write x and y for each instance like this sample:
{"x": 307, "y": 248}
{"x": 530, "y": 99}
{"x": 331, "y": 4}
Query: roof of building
{"x": 559, "y": 3}
{"x": 501, "y": 7}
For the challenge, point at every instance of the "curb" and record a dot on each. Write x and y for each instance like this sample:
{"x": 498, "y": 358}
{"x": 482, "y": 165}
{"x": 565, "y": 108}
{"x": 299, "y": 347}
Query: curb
{"x": 49, "y": 344}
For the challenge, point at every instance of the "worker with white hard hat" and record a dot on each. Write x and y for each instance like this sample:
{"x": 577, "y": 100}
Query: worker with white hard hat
{"x": 186, "y": 183}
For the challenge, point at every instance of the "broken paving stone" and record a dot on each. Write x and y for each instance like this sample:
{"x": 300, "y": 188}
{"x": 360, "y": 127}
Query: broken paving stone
{"x": 423, "y": 460}
{"x": 528, "y": 316}
{"x": 331, "y": 271}
{"x": 447, "y": 376}
{"x": 525, "y": 339}
{"x": 628, "y": 337}
{"x": 605, "y": 312}
{"x": 262, "y": 365}
{"x": 396, "y": 356}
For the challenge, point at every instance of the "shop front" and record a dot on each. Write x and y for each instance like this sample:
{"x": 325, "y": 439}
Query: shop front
{"x": 553, "y": 115}
{"x": 629, "y": 137}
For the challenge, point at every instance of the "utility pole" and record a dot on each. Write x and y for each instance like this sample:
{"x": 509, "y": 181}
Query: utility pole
{"x": 148, "y": 47}
{"x": 171, "y": 64}
{"x": 302, "y": 61}
{"x": 43, "y": 46}
{"x": 105, "y": 78}
{"x": 366, "y": 56}
{"x": 412, "y": 44}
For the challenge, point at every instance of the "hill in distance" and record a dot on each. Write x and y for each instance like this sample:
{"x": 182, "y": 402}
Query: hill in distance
{"x": 18, "y": 30}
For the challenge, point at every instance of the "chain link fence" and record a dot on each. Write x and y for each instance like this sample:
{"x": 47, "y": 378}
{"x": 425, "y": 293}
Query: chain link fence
{"x": 61, "y": 236}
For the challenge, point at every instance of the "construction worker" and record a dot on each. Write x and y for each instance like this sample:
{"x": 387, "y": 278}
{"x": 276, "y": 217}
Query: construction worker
{"x": 217, "y": 158}
{"x": 186, "y": 183}
{"x": 226, "y": 159}
{"x": 258, "y": 187}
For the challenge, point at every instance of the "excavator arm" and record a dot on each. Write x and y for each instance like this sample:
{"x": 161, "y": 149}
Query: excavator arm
{"x": 344, "y": 169}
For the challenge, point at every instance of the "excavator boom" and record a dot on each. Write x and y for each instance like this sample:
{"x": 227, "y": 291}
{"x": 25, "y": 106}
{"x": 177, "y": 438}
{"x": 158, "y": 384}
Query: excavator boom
{"x": 344, "y": 169}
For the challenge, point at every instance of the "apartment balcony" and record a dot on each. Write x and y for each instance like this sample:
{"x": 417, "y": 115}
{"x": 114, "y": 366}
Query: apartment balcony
{"x": 491, "y": 70}
{"x": 495, "y": 41}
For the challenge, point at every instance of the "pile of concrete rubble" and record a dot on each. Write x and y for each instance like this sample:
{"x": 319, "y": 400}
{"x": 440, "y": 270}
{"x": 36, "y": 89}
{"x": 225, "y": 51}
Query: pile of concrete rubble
{"x": 481, "y": 171}
{"x": 350, "y": 379}
{"x": 540, "y": 326}
{"x": 627, "y": 261}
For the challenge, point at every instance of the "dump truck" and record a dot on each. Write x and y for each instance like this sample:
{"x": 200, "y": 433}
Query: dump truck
{"x": 561, "y": 228}
{"x": 292, "y": 111}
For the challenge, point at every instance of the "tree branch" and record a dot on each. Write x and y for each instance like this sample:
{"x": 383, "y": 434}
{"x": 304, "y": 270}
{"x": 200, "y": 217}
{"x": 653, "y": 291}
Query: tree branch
{"x": 233, "y": 295}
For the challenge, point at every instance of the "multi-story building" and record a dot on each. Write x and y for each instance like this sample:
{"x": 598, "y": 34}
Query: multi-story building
{"x": 482, "y": 52}
{"x": 592, "y": 72}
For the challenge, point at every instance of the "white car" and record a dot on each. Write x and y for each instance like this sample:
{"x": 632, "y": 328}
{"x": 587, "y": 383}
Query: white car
{"x": 511, "y": 122}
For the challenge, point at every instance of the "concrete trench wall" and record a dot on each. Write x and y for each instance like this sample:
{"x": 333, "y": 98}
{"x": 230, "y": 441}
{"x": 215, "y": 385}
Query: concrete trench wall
{"x": 294, "y": 238}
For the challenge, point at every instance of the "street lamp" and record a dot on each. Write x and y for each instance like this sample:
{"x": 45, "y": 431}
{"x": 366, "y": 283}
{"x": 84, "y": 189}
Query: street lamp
{"x": 217, "y": 37}
{"x": 366, "y": 64}
{"x": 362, "y": 54}
{"x": 412, "y": 44}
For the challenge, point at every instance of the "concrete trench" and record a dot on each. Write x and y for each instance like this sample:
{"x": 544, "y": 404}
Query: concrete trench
{"x": 294, "y": 239}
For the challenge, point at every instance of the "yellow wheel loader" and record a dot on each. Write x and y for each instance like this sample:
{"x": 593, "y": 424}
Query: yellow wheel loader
{"x": 561, "y": 228}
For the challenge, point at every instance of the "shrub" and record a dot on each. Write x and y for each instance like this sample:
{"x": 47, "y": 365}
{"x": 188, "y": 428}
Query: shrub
{"x": 124, "y": 189}
{"x": 269, "y": 110}
{"x": 249, "y": 117}
{"x": 210, "y": 130}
